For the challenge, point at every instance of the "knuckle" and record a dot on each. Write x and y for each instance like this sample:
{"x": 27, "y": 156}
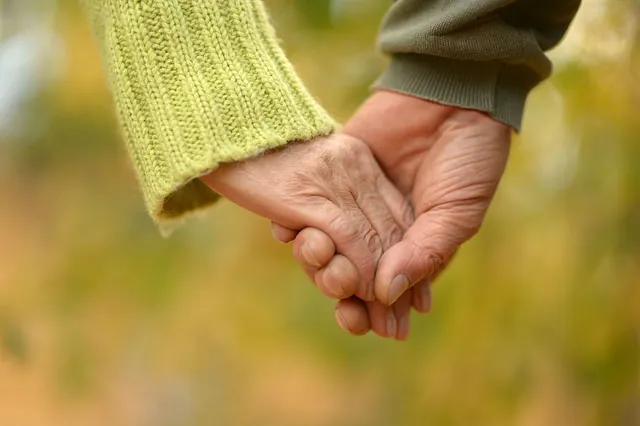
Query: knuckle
{"x": 332, "y": 151}
{"x": 341, "y": 148}
{"x": 373, "y": 242}
{"x": 340, "y": 226}
{"x": 335, "y": 285}
{"x": 430, "y": 259}
{"x": 315, "y": 246}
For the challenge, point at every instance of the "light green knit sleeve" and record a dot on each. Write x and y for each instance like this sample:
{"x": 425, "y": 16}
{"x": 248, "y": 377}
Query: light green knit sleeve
{"x": 197, "y": 83}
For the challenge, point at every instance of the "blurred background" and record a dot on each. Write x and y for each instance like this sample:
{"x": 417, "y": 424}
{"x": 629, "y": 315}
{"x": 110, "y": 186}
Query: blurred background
{"x": 103, "y": 322}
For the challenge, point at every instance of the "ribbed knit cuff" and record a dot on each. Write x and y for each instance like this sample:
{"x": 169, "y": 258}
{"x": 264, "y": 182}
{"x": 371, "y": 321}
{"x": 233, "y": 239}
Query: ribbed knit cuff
{"x": 199, "y": 83}
{"x": 495, "y": 88}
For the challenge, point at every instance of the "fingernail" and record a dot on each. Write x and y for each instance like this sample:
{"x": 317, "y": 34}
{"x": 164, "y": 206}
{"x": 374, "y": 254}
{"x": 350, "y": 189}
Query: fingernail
{"x": 391, "y": 324}
{"x": 342, "y": 322}
{"x": 398, "y": 286}
{"x": 273, "y": 233}
{"x": 309, "y": 256}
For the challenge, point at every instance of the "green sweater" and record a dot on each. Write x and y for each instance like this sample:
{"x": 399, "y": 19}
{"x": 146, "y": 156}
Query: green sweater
{"x": 202, "y": 82}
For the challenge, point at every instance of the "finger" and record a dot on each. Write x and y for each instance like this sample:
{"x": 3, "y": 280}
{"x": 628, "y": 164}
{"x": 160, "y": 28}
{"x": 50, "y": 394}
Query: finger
{"x": 402, "y": 311}
{"x": 355, "y": 239}
{"x": 313, "y": 249}
{"x": 334, "y": 275}
{"x": 383, "y": 319}
{"x": 379, "y": 217}
{"x": 282, "y": 233}
{"x": 339, "y": 279}
{"x": 424, "y": 250}
{"x": 380, "y": 222}
{"x": 421, "y": 296}
{"x": 386, "y": 209}
{"x": 400, "y": 208}
{"x": 352, "y": 316}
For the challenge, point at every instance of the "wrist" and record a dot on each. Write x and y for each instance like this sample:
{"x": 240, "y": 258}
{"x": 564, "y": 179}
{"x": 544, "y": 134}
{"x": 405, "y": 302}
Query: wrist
{"x": 494, "y": 87}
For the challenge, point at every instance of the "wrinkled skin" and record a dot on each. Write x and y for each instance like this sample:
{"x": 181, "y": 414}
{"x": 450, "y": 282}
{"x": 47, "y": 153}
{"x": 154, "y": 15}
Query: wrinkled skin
{"x": 447, "y": 162}
{"x": 334, "y": 186}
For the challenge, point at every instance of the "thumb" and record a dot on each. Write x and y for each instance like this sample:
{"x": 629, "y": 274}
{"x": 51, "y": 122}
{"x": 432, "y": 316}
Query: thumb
{"x": 425, "y": 250}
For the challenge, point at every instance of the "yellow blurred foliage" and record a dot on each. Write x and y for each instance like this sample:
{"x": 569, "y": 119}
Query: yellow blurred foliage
{"x": 537, "y": 322}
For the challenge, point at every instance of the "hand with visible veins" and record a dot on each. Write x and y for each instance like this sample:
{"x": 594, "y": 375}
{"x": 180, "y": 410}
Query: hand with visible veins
{"x": 447, "y": 162}
{"x": 333, "y": 185}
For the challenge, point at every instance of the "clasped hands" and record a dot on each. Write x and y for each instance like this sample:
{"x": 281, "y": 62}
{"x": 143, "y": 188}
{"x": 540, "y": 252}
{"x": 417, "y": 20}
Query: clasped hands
{"x": 377, "y": 211}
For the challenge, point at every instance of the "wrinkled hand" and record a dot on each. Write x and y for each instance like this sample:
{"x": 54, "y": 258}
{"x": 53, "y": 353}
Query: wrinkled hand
{"x": 333, "y": 185}
{"x": 353, "y": 314}
{"x": 448, "y": 162}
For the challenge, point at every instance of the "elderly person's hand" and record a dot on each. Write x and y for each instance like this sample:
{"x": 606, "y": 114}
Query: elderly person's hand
{"x": 353, "y": 314}
{"x": 448, "y": 162}
{"x": 330, "y": 184}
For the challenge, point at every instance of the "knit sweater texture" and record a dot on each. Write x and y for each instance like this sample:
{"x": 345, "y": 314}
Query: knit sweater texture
{"x": 198, "y": 83}
{"x": 485, "y": 55}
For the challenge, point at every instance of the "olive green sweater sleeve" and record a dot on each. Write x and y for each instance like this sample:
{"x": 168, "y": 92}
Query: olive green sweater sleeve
{"x": 197, "y": 83}
{"x": 479, "y": 54}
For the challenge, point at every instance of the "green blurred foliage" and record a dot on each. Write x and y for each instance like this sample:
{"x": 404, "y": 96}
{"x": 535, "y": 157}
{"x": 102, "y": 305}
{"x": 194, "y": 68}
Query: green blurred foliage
{"x": 537, "y": 322}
